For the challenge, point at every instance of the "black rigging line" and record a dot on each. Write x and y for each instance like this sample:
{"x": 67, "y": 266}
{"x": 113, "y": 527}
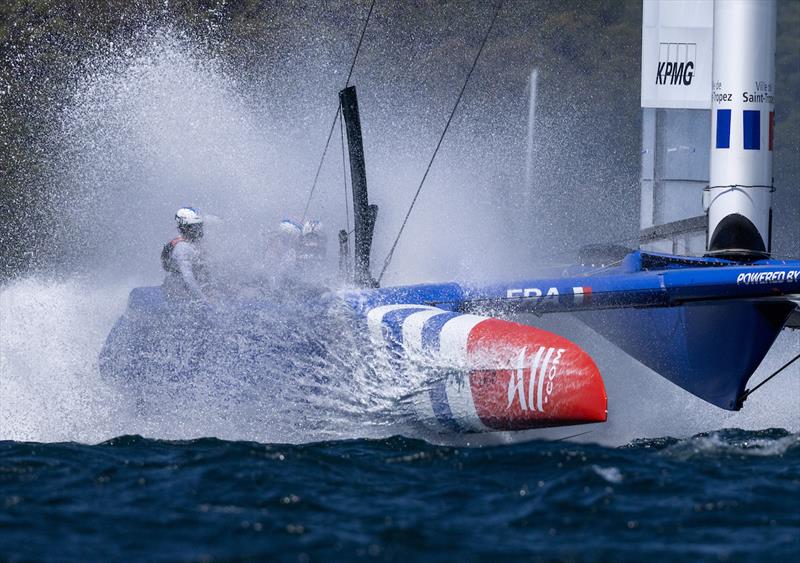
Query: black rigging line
{"x": 335, "y": 117}
{"x": 389, "y": 256}
{"x": 570, "y": 437}
{"x": 319, "y": 166}
{"x": 749, "y": 392}
{"x": 358, "y": 47}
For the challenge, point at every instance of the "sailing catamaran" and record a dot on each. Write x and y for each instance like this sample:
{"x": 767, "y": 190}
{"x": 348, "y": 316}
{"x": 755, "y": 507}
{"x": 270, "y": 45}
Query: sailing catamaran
{"x": 704, "y": 319}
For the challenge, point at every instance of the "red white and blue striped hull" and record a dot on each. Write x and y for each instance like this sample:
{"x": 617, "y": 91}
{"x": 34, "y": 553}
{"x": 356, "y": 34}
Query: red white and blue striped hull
{"x": 488, "y": 374}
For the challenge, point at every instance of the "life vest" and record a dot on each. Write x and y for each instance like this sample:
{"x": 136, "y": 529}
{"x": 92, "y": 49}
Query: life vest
{"x": 166, "y": 254}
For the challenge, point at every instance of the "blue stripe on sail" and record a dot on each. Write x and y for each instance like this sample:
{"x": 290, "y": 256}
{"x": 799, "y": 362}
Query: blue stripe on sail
{"x": 752, "y": 129}
{"x": 723, "y": 128}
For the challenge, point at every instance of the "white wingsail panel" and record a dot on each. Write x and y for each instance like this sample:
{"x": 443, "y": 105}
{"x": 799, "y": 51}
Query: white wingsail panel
{"x": 677, "y": 38}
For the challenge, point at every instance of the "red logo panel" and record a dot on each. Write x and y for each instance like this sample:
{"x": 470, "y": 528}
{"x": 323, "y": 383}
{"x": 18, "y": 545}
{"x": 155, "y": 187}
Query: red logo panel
{"x": 524, "y": 377}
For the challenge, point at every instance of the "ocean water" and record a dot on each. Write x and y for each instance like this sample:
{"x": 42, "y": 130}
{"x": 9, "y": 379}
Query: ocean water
{"x": 730, "y": 495}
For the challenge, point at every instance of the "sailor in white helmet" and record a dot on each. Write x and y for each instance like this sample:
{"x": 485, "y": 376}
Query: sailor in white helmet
{"x": 183, "y": 259}
{"x": 290, "y": 233}
{"x": 312, "y": 247}
{"x": 281, "y": 246}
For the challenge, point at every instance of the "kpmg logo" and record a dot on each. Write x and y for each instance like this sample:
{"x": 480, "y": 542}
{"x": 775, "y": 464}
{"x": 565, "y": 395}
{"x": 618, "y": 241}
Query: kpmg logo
{"x": 676, "y": 63}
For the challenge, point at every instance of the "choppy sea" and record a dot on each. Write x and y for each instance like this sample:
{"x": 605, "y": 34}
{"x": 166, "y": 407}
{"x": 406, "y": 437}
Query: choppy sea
{"x": 730, "y": 495}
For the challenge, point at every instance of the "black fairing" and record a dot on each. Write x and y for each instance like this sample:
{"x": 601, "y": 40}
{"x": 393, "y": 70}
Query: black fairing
{"x": 738, "y": 234}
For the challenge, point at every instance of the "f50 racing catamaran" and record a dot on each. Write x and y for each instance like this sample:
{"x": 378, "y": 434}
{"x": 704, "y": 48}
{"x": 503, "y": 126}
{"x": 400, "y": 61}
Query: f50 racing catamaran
{"x": 703, "y": 322}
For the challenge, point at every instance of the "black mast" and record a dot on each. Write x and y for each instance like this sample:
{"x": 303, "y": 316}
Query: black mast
{"x": 364, "y": 214}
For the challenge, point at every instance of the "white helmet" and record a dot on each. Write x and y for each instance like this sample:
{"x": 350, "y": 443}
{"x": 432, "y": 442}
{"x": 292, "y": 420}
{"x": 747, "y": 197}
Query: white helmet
{"x": 186, "y": 216}
{"x": 312, "y": 226}
{"x": 290, "y": 229}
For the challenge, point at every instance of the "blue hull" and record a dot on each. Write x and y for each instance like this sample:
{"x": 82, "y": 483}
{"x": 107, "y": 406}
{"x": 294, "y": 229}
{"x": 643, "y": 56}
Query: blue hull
{"x": 708, "y": 349}
{"x": 253, "y": 341}
{"x": 703, "y": 323}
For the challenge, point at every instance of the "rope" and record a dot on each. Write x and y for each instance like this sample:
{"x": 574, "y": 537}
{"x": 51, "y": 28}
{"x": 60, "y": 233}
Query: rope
{"x": 335, "y": 117}
{"x": 571, "y": 436}
{"x": 739, "y": 186}
{"x": 358, "y": 47}
{"x": 749, "y": 392}
{"x": 319, "y": 166}
{"x": 389, "y": 256}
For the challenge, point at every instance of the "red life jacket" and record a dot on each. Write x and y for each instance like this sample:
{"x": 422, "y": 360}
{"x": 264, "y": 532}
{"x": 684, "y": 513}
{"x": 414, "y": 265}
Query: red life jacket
{"x": 166, "y": 254}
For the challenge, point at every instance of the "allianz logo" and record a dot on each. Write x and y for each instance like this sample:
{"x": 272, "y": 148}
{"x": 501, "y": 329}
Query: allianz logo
{"x": 542, "y": 371}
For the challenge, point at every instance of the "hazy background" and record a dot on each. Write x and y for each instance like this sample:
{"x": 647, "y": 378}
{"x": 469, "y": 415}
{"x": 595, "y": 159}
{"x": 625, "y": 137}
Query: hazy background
{"x": 116, "y": 112}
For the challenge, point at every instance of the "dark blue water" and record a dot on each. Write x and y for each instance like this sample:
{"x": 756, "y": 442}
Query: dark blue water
{"x": 729, "y": 495}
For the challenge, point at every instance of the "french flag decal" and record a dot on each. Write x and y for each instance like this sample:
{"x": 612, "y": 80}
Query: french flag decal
{"x": 723, "y": 128}
{"x": 582, "y": 294}
{"x": 752, "y": 129}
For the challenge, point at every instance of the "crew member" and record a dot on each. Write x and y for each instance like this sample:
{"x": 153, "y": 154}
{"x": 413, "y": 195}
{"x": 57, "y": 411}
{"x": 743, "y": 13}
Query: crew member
{"x": 312, "y": 246}
{"x": 183, "y": 259}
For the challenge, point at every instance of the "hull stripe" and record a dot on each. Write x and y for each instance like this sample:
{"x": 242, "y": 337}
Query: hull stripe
{"x": 412, "y": 343}
{"x": 453, "y": 349}
{"x": 431, "y": 332}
